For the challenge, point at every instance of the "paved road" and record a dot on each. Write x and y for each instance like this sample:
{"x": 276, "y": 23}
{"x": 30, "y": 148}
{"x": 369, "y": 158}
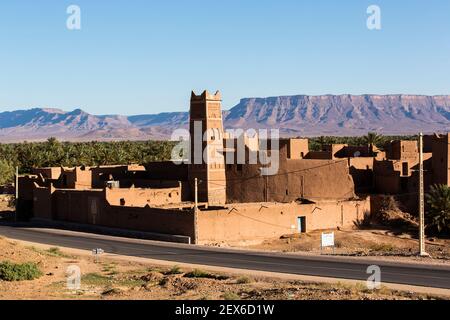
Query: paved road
{"x": 420, "y": 275}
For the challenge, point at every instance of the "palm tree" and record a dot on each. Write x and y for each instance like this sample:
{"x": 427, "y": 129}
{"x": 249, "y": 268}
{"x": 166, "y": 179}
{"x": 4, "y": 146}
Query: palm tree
{"x": 322, "y": 141}
{"x": 372, "y": 139}
{"x": 438, "y": 213}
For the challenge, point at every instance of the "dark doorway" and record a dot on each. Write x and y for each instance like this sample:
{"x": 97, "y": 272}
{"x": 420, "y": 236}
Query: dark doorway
{"x": 405, "y": 169}
{"x": 301, "y": 224}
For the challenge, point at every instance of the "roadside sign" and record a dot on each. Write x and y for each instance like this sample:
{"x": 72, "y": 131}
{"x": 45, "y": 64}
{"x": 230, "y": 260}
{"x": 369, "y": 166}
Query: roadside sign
{"x": 96, "y": 253}
{"x": 327, "y": 240}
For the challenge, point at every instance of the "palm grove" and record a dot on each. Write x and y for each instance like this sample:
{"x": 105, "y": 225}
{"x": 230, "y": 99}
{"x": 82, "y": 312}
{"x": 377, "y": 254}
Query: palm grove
{"x": 53, "y": 153}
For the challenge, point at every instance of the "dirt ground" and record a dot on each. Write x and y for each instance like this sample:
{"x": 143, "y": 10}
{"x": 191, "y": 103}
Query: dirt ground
{"x": 4, "y": 203}
{"x": 118, "y": 279}
{"x": 374, "y": 242}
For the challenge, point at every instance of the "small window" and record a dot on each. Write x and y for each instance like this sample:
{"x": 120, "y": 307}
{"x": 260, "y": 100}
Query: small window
{"x": 122, "y": 202}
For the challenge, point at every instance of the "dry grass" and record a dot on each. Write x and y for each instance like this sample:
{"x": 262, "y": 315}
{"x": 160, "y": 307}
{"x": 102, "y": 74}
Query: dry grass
{"x": 119, "y": 279}
{"x": 368, "y": 242}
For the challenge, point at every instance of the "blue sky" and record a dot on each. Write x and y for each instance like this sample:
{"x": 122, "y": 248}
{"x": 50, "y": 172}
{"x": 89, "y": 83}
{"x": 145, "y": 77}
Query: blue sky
{"x": 143, "y": 56}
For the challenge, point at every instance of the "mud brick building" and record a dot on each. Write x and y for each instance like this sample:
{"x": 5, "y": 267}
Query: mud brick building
{"x": 236, "y": 203}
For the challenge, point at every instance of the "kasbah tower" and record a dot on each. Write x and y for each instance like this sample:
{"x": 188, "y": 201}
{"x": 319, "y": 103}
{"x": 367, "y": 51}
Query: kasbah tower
{"x": 207, "y": 160}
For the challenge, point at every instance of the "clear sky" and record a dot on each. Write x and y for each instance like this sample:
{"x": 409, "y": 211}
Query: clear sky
{"x": 145, "y": 56}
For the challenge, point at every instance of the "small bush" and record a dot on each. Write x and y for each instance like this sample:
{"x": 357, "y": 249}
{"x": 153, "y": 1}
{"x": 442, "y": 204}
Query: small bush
{"x": 19, "y": 272}
{"x": 382, "y": 247}
{"x": 197, "y": 273}
{"x": 54, "y": 250}
{"x": 231, "y": 296}
{"x": 389, "y": 203}
{"x": 174, "y": 270}
{"x": 365, "y": 222}
{"x": 243, "y": 280}
{"x": 111, "y": 291}
{"x": 11, "y": 202}
{"x": 202, "y": 274}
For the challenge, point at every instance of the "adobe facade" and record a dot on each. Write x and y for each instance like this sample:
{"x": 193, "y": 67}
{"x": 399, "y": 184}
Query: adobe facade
{"x": 234, "y": 223}
{"x": 256, "y": 222}
{"x": 236, "y": 202}
{"x": 441, "y": 159}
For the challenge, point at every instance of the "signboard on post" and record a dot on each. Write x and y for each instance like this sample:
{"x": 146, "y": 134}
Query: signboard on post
{"x": 327, "y": 240}
{"x": 96, "y": 253}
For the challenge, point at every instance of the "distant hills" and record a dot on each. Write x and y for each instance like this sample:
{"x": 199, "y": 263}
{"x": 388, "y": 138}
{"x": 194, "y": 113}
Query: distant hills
{"x": 301, "y": 115}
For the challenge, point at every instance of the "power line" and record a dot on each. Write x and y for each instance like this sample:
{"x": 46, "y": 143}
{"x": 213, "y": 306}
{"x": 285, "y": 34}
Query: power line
{"x": 283, "y": 173}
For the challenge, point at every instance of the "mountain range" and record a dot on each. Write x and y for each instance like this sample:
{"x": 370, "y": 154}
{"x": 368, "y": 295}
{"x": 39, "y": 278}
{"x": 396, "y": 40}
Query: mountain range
{"x": 300, "y": 115}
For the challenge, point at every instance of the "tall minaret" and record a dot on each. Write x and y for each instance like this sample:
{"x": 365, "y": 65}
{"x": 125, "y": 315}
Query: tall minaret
{"x": 207, "y": 160}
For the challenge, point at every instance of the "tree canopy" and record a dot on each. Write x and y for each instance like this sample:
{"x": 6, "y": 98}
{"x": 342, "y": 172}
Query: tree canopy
{"x": 54, "y": 153}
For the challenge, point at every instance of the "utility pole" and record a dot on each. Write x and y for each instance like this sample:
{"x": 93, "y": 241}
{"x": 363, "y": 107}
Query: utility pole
{"x": 16, "y": 185}
{"x": 422, "y": 251}
{"x": 195, "y": 212}
{"x": 267, "y": 187}
{"x": 266, "y": 178}
{"x": 196, "y": 195}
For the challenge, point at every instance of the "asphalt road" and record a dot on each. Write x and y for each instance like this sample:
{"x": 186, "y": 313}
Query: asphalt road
{"x": 411, "y": 274}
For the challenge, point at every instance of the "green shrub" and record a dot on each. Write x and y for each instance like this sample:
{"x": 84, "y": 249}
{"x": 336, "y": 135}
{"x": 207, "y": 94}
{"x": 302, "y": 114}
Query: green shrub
{"x": 197, "y": 273}
{"x": 19, "y": 272}
{"x": 174, "y": 270}
{"x": 438, "y": 211}
{"x": 54, "y": 250}
{"x": 203, "y": 274}
{"x": 53, "y": 153}
{"x": 7, "y": 172}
